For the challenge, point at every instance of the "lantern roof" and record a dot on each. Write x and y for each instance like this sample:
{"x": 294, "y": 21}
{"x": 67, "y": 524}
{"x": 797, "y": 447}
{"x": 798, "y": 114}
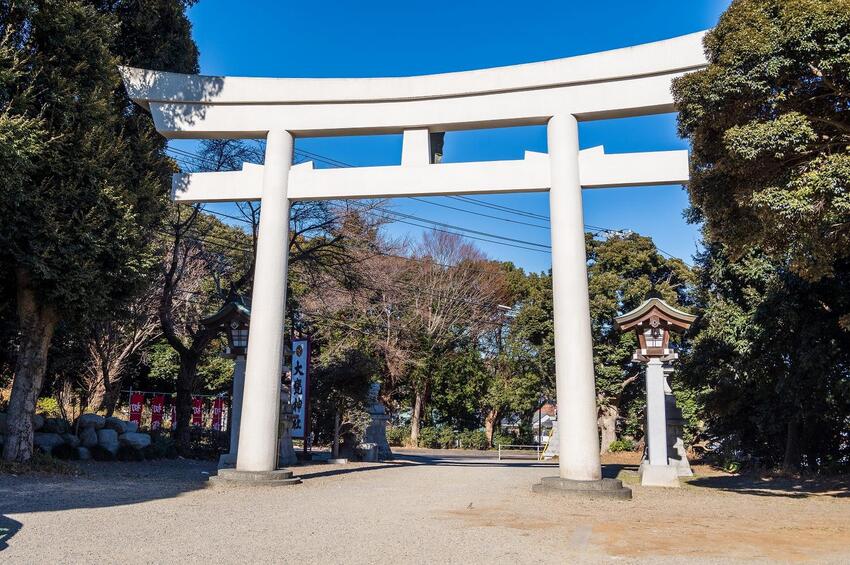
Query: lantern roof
{"x": 674, "y": 318}
{"x": 233, "y": 309}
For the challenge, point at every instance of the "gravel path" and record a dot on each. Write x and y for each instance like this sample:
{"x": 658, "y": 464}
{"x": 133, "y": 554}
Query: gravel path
{"x": 424, "y": 507}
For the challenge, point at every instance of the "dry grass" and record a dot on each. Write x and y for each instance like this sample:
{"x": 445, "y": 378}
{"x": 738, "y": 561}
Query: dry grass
{"x": 40, "y": 464}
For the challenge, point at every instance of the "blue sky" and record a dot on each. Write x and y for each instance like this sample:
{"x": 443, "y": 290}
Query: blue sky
{"x": 383, "y": 38}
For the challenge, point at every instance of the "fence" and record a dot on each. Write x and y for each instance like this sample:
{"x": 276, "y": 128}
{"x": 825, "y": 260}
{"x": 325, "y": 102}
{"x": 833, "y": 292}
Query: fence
{"x": 537, "y": 449}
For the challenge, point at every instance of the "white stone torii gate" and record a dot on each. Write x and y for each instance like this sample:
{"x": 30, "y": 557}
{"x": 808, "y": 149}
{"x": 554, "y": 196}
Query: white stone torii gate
{"x": 626, "y": 82}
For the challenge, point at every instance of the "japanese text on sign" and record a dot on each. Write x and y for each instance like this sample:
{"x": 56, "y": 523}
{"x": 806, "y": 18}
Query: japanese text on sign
{"x": 298, "y": 387}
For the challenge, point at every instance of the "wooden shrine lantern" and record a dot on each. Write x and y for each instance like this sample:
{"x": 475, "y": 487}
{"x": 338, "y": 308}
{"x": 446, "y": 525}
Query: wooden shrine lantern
{"x": 653, "y": 321}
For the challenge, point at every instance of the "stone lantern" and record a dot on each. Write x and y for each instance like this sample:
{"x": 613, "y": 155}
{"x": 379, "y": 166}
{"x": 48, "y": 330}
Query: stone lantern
{"x": 653, "y": 321}
{"x": 234, "y": 320}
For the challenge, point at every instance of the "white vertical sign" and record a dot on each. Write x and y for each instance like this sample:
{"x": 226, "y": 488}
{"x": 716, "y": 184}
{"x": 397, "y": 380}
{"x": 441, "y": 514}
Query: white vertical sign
{"x": 298, "y": 387}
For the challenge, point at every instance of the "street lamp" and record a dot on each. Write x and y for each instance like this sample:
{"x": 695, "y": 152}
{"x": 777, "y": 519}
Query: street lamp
{"x": 652, "y": 322}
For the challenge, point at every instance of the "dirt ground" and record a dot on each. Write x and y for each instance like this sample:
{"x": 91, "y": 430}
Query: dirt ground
{"x": 423, "y": 507}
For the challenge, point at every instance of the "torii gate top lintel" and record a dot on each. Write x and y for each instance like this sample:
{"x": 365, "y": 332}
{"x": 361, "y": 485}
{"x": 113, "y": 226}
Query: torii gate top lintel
{"x": 609, "y": 84}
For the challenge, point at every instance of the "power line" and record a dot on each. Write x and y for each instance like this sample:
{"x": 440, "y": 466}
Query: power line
{"x": 464, "y": 198}
{"x": 477, "y": 202}
{"x": 478, "y": 213}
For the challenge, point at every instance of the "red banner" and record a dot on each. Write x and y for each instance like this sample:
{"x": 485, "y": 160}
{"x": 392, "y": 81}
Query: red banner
{"x": 197, "y": 411}
{"x": 137, "y": 399}
{"x": 218, "y": 405}
{"x": 173, "y": 415}
{"x": 157, "y": 406}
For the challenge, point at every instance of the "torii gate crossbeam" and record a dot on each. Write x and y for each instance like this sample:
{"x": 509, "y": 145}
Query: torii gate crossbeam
{"x": 618, "y": 83}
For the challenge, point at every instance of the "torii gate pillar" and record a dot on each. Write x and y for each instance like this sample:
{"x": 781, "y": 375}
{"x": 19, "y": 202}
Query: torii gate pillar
{"x": 259, "y": 425}
{"x": 578, "y": 441}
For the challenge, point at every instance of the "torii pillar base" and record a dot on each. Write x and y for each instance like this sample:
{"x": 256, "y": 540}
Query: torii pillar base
{"x": 232, "y": 477}
{"x": 602, "y": 488}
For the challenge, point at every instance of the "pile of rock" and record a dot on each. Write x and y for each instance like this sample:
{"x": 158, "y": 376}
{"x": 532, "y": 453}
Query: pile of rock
{"x": 89, "y": 433}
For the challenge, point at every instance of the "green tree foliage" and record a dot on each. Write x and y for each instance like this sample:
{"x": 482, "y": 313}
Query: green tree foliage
{"x": 622, "y": 270}
{"x": 771, "y": 361}
{"x": 91, "y": 176}
{"x": 769, "y": 120}
{"x": 339, "y": 387}
{"x": 215, "y": 373}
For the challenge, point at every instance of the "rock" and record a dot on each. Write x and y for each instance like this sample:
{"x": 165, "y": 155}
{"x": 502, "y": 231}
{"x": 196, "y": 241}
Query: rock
{"x": 83, "y": 453}
{"x": 367, "y": 452}
{"x": 55, "y": 426}
{"x": 131, "y": 427}
{"x": 135, "y": 440}
{"x": 2, "y": 422}
{"x": 47, "y": 441}
{"x": 91, "y": 421}
{"x": 108, "y": 440}
{"x": 71, "y": 439}
{"x": 117, "y": 424}
{"x": 88, "y": 437}
{"x": 37, "y": 422}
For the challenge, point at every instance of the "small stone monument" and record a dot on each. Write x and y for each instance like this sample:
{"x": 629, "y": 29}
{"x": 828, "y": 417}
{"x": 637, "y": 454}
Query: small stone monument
{"x": 286, "y": 453}
{"x": 677, "y": 455}
{"x": 553, "y": 443}
{"x": 376, "y": 434}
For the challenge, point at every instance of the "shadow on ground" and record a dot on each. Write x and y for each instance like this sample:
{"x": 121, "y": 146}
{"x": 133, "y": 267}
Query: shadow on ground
{"x": 838, "y": 487}
{"x": 8, "y": 528}
{"x": 102, "y": 484}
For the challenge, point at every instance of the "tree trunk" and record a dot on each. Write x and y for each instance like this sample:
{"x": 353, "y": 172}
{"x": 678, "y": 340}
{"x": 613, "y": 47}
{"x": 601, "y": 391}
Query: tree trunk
{"x": 111, "y": 396}
{"x": 335, "y": 446}
{"x": 490, "y": 421}
{"x": 96, "y": 397}
{"x": 791, "y": 460}
{"x": 107, "y": 390}
{"x": 183, "y": 402}
{"x": 37, "y": 324}
{"x": 418, "y": 408}
{"x": 607, "y": 422}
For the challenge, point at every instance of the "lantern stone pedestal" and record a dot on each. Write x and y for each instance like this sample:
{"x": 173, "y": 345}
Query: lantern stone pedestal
{"x": 658, "y": 475}
{"x": 229, "y": 459}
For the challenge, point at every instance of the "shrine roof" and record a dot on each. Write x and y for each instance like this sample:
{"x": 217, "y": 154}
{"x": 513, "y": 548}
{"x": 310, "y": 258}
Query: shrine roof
{"x": 655, "y": 306}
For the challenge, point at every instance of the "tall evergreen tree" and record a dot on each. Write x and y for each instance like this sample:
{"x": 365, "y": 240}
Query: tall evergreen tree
{"x": 75, "y": 229}
{"x": 771, "y": 362}
{"x": 769, "y": 122}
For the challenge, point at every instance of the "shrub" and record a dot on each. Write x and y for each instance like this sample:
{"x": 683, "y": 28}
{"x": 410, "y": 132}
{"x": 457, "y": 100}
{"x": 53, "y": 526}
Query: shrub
{"x": 99, "y": 453}
{"x": 39, "y": 464}
{"x": 504, "y": 439}
{"x": 162, "y": 446}
{"x": 65, "y": 452}
{"x": 446, "y": 438}
{"x": 128, "y": 453}
{"x": 398, "y": 435}
{"x": 48, "y": 407}
{"x": 621, "y": 445}
{"x": 207, "y": 444}
{"x": 429, "y": 437}
{"x": 473, "y": 439}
